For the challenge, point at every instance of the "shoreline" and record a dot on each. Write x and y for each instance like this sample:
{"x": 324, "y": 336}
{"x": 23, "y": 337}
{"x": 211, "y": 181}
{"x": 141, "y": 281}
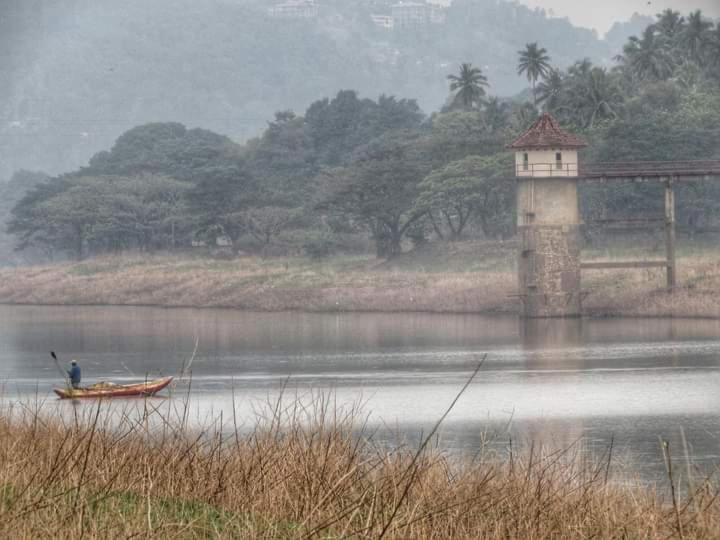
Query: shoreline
{"x": 343, "y": 284}
{"x": 586, "y": 316}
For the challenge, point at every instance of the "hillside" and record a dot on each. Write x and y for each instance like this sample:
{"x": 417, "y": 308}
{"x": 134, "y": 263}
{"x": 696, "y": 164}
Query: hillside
{"x": 81, "y": 72}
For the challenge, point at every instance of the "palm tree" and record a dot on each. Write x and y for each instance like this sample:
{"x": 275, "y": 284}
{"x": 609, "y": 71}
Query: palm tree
{"x": 713, "y": 49}
{"x": 496, "y": 113}
{"x": 670, "y": 24}
{"x": 550, "y": 88}
{"x": 535, "y": 63}
{"x": 470, "y": 85}
{"x": 601, "y": 96}
{"x": 695, "y": 36}
{"x": 648, "y": 56}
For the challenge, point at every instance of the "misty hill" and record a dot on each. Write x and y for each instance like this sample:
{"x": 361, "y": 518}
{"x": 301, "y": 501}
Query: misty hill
{"x": 78, "y": 73}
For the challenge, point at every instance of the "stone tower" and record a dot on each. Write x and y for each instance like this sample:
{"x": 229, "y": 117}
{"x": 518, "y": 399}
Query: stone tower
{"x": 546, "y": 168}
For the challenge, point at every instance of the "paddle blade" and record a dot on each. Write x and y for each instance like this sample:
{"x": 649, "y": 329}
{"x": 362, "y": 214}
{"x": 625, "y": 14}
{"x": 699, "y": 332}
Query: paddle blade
{"x": 52, "y": 353}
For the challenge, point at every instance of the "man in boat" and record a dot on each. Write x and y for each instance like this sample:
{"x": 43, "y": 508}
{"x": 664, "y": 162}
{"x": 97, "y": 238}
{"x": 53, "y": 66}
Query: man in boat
{"x": 74, "y": 374}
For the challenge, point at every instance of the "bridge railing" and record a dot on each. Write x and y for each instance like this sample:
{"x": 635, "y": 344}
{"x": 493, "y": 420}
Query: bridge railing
{"x": 650, "y": 168}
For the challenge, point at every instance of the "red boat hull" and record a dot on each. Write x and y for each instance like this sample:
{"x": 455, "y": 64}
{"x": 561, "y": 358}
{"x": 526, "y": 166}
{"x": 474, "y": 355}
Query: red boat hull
{"x": 109, "y": 390}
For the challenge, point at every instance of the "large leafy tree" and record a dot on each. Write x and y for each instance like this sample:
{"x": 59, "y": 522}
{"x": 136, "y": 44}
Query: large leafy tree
{"x": 338, "y": 126}
{"x": 377, "y": 190}
{"x": 473, "y": 187}
{"x": 469, "y": 87}
{"x": 218, "y": 203}
{"x": 534, "y": 62}
{"x": 91, "y": 214}
{"x": 456, "y": 134}
{"x": 11, "y": 192}
{"x": 169, "y": 149}
{"x": 31, "y": 227}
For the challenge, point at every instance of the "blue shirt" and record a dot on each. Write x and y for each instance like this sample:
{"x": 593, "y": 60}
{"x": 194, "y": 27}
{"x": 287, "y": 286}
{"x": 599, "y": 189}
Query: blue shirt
{"x": 74, "y": 374}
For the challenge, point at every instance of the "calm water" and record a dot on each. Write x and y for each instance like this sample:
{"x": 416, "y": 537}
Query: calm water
{"x": 557, "y": 382}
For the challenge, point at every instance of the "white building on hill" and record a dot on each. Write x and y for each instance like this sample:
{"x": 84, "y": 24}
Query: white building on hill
{"x": 410, "y": 14}
{"x": 295, "y": 9}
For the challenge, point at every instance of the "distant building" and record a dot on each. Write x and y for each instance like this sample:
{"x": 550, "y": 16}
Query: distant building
{"x": 440, "y": 3}
{"x": 383, "y": 21}
{"x": 295, "y": 9}
{"x": 410, "y": 14}
{"x": 437, "y": 13}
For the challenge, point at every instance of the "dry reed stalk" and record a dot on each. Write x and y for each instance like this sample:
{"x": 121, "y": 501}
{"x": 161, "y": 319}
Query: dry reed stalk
{"x": 305, "y": 470}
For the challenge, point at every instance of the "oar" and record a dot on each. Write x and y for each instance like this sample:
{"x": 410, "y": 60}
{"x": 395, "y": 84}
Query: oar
{"x": 62, "y": 371}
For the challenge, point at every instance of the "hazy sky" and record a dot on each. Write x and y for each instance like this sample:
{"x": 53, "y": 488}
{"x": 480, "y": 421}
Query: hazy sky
{"x": 600, "y": 14}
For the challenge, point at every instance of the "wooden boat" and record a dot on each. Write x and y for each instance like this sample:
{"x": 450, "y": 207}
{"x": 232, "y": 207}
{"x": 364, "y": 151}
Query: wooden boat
{"x": 109, "y": 390}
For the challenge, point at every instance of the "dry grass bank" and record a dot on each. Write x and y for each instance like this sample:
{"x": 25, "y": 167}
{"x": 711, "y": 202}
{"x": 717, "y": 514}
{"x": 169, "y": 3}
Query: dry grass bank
{"x": 304, "y": 473}
{"x": 279, "y": 284}
{"x": 466, "y": 277}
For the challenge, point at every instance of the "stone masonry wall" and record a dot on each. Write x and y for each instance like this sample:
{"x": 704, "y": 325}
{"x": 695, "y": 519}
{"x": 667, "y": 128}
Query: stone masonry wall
{"x": 549, "y": 271}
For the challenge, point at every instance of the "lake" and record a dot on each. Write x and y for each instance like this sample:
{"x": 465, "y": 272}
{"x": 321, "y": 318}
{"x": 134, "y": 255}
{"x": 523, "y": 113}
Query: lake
{"x": 556, "y": 382}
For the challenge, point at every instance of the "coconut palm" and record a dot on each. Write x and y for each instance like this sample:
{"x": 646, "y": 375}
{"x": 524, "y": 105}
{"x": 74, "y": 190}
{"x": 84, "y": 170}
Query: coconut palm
{"x": 496, "y": 114}
{"x": 599, "y": 96}
{"x": 470, "y": 84}
{"x": 695, "y": 36}
{"x": 550, "y": 88}
{"x": 648, "y": 57}
{"x": 670, "y": 24}
{"x": 713, "y": 46}
{"x": 534, "y": 63}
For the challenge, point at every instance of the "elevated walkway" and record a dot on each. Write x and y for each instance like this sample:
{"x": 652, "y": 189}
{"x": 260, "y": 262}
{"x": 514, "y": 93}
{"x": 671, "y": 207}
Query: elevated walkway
{"x": 650, "y": 170}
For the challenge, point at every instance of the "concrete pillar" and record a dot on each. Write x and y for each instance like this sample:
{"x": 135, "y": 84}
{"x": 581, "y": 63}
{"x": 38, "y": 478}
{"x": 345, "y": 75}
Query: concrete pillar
{"x": 549, "y": 252}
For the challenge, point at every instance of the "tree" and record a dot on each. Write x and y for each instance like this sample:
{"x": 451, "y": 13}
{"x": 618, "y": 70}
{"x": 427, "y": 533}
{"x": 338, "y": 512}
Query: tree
{"x": 713, "y": 47}
{"x": 695, "y": 37}
{"x": 473, "y": 187}
{"x": 218, "y": 203}
{"x": 165, "y": 148}
{"x": 457, "y": 134}
{"x": 27, "y": 222}
{"x": 20, "y": 183}
{"x": 534, "y": 63}
{"x": 469, "y": 86}
{"x": 550, "y": 89}
{"x": 344, "y": 123}
{"x": 91, "y": 214}
{"x": 267, "y": 222}
{"x": 648, "y": 56}
{"x": 670, "y": 24}
{"x": 592, "y": 94}
{"x": 377, "y": 190}
{"x": 496, "y": 114}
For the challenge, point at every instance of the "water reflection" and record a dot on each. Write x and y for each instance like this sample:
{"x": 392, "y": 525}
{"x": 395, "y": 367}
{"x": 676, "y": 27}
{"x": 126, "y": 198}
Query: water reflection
{"x": 552, "y": 380}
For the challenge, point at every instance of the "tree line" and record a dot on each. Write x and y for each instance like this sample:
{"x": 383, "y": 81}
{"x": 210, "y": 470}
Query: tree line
{"x": 381, "y": 168}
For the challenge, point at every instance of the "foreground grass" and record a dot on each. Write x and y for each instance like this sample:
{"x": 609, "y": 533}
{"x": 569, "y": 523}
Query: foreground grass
{"x": 460, "y": 277}
{"x": 303, "y": 472}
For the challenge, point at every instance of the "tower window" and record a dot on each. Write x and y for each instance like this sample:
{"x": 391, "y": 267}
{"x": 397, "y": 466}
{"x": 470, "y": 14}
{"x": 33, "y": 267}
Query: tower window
{"x": 526, "y": 162}
{"x": 558, "y": 160}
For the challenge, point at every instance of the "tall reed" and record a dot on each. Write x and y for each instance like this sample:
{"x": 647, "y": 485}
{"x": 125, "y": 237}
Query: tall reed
{"x": 306, "y": 470}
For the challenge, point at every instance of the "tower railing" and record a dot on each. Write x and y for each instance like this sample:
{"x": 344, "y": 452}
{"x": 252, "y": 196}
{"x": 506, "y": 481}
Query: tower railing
{"x": 546, "y": 170}
{"x": 619, "y": 169}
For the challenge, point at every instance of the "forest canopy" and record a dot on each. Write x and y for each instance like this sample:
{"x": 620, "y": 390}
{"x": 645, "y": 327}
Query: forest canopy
{"x": 352, "y": 167}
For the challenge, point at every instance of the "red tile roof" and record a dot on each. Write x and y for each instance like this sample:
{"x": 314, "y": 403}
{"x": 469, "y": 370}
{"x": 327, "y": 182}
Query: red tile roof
{"x": 545, "y": 133}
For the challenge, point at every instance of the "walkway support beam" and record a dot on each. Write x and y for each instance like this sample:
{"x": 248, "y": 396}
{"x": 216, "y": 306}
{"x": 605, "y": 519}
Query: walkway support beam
{"x": 670, "y": 233}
